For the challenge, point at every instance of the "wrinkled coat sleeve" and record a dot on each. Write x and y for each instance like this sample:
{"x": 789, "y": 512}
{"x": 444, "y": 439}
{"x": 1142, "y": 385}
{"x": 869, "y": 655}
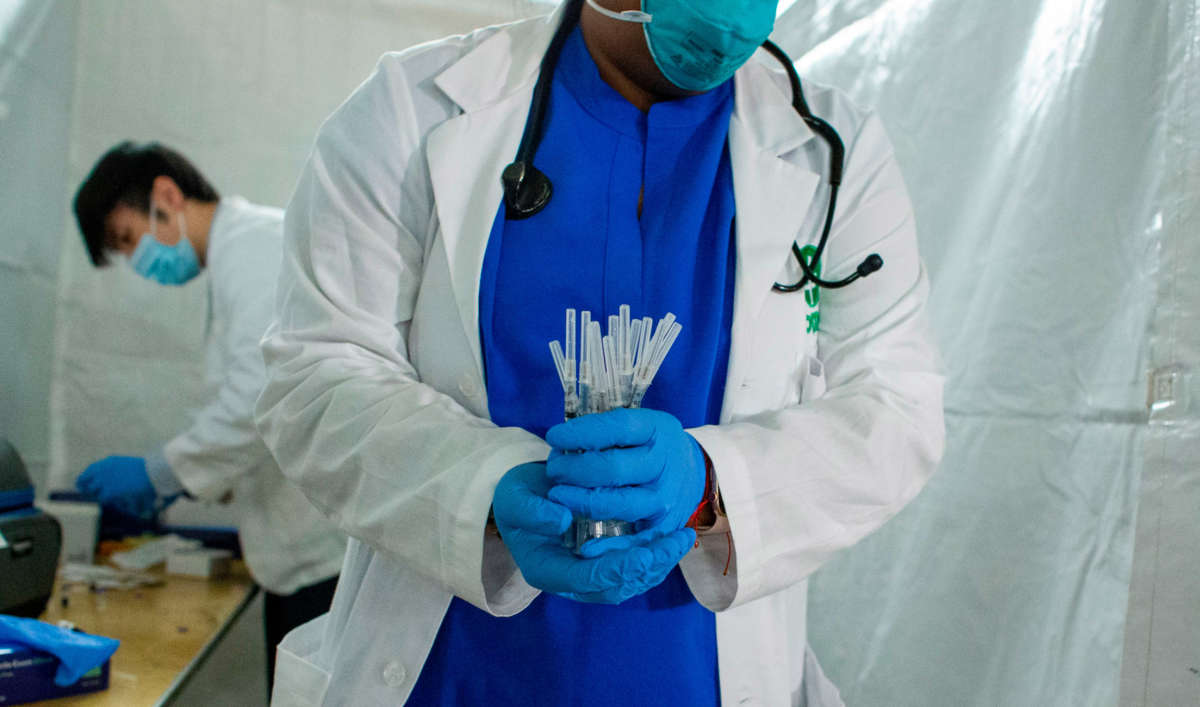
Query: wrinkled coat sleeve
{"x": 222, "y": 443}
{"x": 394, "y": 462}
{"x": 803, "y": 482}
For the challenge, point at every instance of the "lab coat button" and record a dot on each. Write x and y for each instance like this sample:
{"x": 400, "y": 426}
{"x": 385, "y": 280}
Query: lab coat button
{"x": 468, "y": 387}
{"x": 394, "y": 674}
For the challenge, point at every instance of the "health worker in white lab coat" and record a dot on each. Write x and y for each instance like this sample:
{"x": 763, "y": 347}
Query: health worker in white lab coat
{"x": 412, "y": 396}
{"x": 149, "y": 203}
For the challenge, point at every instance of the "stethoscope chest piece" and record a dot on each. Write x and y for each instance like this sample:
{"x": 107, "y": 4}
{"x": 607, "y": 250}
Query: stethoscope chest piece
{"x": 527, "y": 190}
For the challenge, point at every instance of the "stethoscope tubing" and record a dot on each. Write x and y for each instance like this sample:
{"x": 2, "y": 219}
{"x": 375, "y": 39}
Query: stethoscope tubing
{"x": 527, "y": 190}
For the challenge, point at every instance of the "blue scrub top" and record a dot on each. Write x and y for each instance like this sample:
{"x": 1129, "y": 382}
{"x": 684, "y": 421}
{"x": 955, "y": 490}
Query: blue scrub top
{"x": 589, "y": 249}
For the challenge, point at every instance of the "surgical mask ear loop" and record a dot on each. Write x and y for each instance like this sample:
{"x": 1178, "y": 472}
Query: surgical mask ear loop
{"x": 154, "y": 224}
{"x": 153, "y": 220}
{"x": 636, "y": 16}
{"x": 182, "y": 229}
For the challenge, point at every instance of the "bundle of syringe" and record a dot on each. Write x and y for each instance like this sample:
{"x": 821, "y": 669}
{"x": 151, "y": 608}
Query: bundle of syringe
{"x": 615, "y": 369}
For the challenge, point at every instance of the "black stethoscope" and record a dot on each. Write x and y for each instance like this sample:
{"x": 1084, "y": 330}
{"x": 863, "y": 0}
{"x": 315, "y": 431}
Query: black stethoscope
{"x": 527, "y": 189}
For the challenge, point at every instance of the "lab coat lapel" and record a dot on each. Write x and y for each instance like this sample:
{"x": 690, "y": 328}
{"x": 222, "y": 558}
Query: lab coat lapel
{"x": 772, "y": 193}
{"x": 466, "y": 156}
{"x": 494, "y": 86}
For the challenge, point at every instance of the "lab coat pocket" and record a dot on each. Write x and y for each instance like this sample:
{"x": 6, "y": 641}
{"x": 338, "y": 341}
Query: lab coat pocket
{"x": 812, "y": 379}
{"x": 817, "y": 690}
{"x": 299, "y": 681}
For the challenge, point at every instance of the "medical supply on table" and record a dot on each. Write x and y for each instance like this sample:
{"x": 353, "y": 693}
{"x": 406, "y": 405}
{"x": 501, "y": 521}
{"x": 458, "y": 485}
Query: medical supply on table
{"x": 80, "y": 523}
{"x": 152, "y": 552}
{"x": 30, "y": 541}
{"x": 77, "y": 653}
{"x": 613, "y": 370}
{"x": 199, "y": 562}
{"x": 102, "y": 577}
{"x": 27, "y": 675}
{"x": 527, "y": 190}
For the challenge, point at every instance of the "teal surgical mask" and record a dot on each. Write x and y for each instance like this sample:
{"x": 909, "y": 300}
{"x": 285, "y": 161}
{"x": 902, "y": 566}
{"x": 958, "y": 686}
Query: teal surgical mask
{"x": 165, "y": 264}
{"x": 699, "y": 44}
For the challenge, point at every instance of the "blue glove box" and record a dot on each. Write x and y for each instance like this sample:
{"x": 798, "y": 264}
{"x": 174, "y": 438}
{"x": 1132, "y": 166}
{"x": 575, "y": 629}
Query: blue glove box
{"x": 27, "y": 675}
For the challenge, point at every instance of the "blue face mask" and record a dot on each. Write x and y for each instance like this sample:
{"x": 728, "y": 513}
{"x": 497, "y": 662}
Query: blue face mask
{"x": 699, "y": 44}
{"x": 165, "y": 264}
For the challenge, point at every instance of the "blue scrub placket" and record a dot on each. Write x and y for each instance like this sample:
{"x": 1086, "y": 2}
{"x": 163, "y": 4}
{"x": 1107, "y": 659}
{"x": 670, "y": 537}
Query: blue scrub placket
{"x": 590, "y": 250}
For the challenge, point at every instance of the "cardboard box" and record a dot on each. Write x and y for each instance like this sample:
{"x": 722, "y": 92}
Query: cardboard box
{"x": 27, "y": 675}
{"x": 202, "y": 562}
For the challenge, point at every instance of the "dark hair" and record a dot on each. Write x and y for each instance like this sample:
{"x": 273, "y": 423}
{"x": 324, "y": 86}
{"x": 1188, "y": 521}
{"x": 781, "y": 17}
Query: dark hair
{"x": 125, "y": 175}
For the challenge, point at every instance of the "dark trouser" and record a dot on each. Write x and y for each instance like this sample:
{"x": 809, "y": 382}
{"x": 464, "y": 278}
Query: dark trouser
{"x": 282, "y": 613}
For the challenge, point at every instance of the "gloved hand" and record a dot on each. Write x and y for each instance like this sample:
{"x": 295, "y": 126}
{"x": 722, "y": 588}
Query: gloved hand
{"x": 634, "y": 465}
{"x": 121, "y": 483}
{"x": 531, "y": 526}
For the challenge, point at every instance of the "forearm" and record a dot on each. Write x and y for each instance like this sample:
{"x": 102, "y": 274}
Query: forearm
{"x": 800, "y": 483}
{"x": 166, "y": 483}
{"x": 219, "y": 448}
{"x": 393, "y": 462}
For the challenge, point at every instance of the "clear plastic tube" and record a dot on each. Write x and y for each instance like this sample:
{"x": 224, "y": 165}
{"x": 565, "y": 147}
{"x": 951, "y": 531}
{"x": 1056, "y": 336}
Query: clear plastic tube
{"x": 571, "y": 373}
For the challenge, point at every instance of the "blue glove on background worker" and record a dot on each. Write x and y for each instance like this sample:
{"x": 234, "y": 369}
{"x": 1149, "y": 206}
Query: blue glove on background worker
{"x": 126, "y": 484}
{"x": 532, "y": 525}
{"x": 634, "y": 465}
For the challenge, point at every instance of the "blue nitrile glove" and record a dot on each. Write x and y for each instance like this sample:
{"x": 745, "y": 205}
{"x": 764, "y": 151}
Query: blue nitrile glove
{"x": 532, "y": 526}
{"x": 634, "y": 465}
{"x": 77, "y": 652}
{"x": 121, "y": 483}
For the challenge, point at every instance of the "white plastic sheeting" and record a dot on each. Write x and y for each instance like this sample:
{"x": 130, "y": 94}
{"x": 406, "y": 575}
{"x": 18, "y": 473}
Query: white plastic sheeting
{"x": 37, "y": 69}
{"x": 1052, "y": 148}
{"x": 1162, "y": 635}
{"x": 1033, "y": 135}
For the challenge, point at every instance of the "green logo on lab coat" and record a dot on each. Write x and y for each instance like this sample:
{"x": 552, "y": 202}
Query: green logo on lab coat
{"x": 813, "y": 294}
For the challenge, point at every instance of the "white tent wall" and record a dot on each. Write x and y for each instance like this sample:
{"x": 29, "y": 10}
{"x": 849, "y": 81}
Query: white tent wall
{"x": 1162, "y": 635}
{"x": 1033, "y": 135}
{"x": 37, "y": 69}
{"x": 240, "y": 87}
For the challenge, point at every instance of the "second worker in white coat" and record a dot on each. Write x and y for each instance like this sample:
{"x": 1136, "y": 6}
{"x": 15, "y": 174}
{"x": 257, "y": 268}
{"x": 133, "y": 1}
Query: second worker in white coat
{"x": 149, "y": 203}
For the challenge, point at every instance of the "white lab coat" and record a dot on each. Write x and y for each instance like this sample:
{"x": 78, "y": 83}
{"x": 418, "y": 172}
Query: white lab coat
{"x": 287, "y": 543}
{"x": 376, "y": 406}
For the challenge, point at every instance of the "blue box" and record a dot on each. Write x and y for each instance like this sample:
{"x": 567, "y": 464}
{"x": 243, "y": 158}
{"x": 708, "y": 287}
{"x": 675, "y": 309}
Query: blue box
{"x": 27, "y": 675}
